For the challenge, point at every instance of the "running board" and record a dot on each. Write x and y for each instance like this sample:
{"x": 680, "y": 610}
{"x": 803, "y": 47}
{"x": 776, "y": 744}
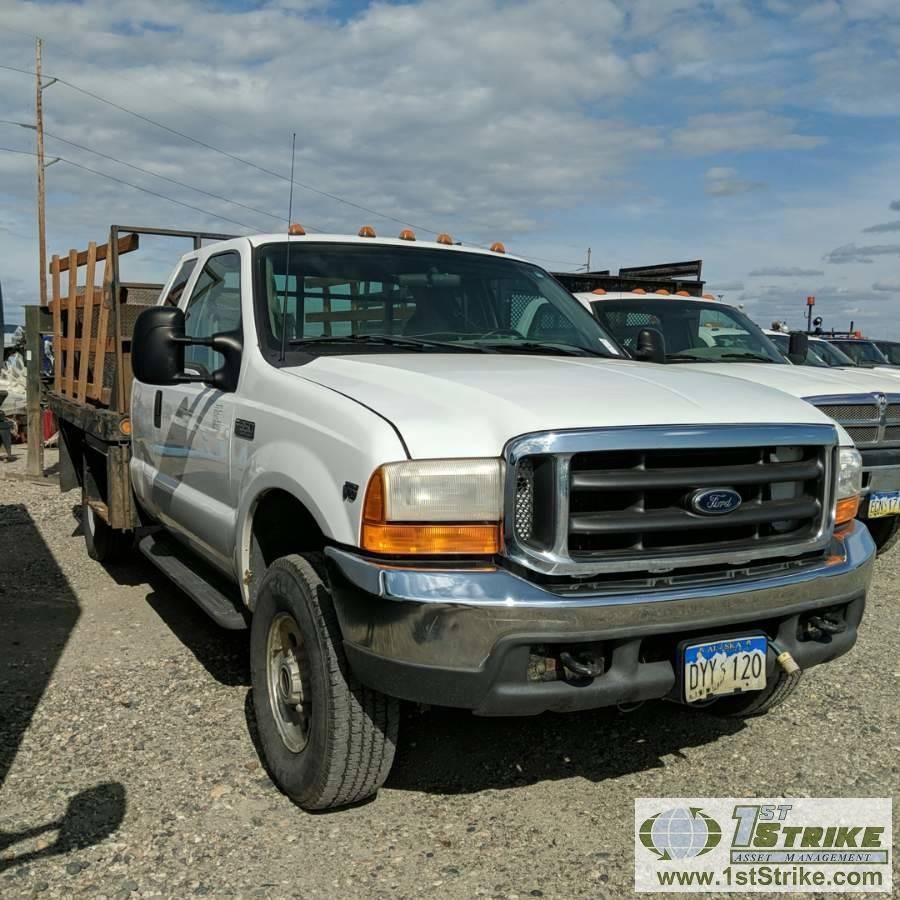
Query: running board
{"x": 181, "y": 567}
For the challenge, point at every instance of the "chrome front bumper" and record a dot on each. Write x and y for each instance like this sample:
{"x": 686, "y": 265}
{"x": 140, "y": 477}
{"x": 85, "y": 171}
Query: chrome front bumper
{"x": 421, "y": 621}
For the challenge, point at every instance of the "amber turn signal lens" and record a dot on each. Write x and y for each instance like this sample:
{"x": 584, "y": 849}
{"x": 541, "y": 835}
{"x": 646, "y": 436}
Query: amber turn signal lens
{"x": 435, "y": 540}
{"x": 125, "y": 427}
{"x": 846, "y": 509}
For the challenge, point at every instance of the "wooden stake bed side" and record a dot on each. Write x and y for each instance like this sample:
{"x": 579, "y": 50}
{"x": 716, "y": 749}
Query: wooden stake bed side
{"x": 88, "y": 359}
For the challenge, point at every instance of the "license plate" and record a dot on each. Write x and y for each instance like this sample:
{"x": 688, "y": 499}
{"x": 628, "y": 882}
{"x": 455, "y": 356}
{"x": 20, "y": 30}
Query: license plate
{"x": 724, "y": 667}
{"x": 884, "y": 503}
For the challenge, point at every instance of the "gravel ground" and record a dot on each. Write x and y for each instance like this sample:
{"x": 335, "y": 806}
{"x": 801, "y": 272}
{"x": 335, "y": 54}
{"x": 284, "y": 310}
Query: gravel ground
{"x": 127, "y": 768}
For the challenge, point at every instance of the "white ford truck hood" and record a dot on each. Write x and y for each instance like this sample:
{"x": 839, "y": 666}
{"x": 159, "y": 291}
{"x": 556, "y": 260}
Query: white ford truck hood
{"x": 472, "y": 404}
{"x": 800, "y": 381}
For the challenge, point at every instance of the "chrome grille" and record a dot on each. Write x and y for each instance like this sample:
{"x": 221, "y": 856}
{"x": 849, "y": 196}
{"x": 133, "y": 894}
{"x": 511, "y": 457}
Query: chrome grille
{"x": 870, "y": 424}
{"x": 620, "y": 499}
{"x": 524, "y": 520}
{"x": 863, "y": 435}
{"x": 852, "y": 413}
{"x": 636, "y": 501}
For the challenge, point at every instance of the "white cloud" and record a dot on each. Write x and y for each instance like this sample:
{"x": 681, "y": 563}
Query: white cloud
{"x": 851, "y": 253}
{"x": 785, "y": 272}
{"x": 740, "y": 131}
{"x": 891, "y": 287}
{"x": 884, "y": 226}
{"x": 720, "y": 181}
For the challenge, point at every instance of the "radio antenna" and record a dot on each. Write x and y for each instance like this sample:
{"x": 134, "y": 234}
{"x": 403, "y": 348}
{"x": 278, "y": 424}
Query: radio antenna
{"x": 287, "y": 255}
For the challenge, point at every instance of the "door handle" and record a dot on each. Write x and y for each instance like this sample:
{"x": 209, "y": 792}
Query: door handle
{"x": 157, "y": 410}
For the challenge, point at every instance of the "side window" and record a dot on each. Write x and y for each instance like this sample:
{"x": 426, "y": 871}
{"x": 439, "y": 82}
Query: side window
{"x": 173, "y": 297}
{"x": 214, "y": 306}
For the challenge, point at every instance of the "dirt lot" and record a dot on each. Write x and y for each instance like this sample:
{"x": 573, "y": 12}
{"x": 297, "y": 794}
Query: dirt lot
{"x": 127, "y": 768}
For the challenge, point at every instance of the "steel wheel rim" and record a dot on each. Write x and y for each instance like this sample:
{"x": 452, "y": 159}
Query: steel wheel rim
{"x": 287, "y": 681}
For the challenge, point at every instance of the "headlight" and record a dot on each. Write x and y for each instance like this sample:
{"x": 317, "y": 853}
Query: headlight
{"x": 849, "y": 485}
{"x": 434, "y": 507}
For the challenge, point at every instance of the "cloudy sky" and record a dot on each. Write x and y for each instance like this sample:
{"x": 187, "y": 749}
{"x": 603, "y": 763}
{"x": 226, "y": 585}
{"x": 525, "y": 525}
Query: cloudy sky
{"x": 761, "y": 136}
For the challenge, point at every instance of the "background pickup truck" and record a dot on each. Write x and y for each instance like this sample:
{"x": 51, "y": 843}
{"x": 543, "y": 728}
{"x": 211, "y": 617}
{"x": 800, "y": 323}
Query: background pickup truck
{"x": 425, "y": 472}
{"x": 708, "y": 335}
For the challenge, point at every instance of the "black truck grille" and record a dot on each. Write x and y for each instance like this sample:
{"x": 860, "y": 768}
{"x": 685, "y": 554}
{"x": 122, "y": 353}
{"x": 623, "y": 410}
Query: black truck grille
{"x": 869, "y": 422}
{"x": 629, "y": 504}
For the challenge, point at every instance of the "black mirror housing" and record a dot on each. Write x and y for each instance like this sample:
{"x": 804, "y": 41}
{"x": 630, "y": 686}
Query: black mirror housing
{"x": 651, "y": 346}
{"x": 798, "y": 348}
{"x": 157, "y": 346}
{"x": 157, "y": 351}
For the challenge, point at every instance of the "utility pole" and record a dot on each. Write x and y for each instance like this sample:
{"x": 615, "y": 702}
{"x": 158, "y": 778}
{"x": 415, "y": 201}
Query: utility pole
{"x": 34, "y": 464}
{"x": 39, "y": 126}
{"x": 588, "y": 269}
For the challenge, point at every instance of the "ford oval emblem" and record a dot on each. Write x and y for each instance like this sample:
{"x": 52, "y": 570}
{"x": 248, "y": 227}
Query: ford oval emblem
{"x": 715, "y": 501}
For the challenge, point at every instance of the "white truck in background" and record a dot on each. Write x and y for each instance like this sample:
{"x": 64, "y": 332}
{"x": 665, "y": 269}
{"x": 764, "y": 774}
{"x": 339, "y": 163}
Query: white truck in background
{"x": 360, "y": 449}
{"x": 701, "y": 333}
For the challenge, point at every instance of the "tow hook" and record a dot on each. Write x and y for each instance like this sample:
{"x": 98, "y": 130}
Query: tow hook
{"x": 584, "y": 664}
{"x": 817, "y": 627}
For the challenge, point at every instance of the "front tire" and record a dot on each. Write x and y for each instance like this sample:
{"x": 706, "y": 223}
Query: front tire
{"x": 328, "y": 741}
{"x": 885, "y": 532}
{"x": 103, "y": 543}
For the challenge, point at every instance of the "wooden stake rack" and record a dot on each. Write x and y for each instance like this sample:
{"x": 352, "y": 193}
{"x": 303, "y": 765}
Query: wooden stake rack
{"x": 91, "y": 354}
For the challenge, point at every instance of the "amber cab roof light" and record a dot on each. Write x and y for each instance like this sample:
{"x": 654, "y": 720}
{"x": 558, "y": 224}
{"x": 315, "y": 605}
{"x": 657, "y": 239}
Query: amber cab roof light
{"x": 661, "y": 291}
{"x": 407, "y": 235}
{"x": 444, "y": 238}
{"x": 296, "y": 229}
{"x": 682, "y": 293}
{"x": 638, "y": 291}
{"x": 367, "y": 231}
{"x": 709, "y": 296}
{"x": 497, "y": 247}
{"x": 598, "y": 291}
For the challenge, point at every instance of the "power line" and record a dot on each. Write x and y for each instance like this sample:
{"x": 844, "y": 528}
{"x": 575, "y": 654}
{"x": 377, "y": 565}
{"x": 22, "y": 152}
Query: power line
{"x": 174, "y": 181}
{"x": 137, "y": 187}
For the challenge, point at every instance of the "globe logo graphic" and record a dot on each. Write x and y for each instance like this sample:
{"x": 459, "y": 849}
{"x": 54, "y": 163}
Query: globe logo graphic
{"x": 681, "y": 833}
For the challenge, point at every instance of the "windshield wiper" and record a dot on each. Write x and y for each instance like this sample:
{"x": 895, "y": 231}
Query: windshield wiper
{"x": 537, "y": 347}
{"x": 687, "y": 357}
{"x": 410, "y": 343}
{"x": 756, "y": 357}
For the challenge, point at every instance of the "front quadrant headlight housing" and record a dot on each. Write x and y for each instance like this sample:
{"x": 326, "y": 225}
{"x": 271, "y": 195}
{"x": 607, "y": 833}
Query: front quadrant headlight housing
{"x": 849, "y": 485}
{"x": 434, "y": 507}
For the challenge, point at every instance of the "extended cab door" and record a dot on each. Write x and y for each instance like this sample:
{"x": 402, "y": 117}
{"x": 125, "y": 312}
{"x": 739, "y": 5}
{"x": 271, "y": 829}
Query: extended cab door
{"x": 191, "y": 490}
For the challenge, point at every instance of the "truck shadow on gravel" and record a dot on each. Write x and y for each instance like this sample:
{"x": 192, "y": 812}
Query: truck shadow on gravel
{"x": 91, "y": 816}
{"x": 448, "y": 751}
{"x": 38, "y": 612}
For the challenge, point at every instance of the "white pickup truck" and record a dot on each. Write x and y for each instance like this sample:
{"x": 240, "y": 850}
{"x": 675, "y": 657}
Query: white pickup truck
{"x": 357, "y": 446}
{"x": 707, "y": 335}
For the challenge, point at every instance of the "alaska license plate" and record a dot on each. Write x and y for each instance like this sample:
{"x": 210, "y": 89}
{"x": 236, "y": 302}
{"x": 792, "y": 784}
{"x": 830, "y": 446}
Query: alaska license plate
{"x": 884, "y": 503}
{"x": 724, "y": 667}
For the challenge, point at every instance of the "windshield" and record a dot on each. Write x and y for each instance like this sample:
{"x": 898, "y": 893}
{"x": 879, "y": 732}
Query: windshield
{"x": 831, "y": 354}
{"x": 352, "y": 298}
{"x": 783, "y": 343}
{"x": 863, "y": 352}
{"x": 694, "y": 331}
{"x": 891, "y": 351}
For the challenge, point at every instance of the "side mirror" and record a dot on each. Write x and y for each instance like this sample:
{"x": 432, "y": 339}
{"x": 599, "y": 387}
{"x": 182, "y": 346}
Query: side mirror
{"x": 157, "y": 346}
{"x": 157, "y": 351}
{"x": 798, "y": 348}
{"x": 651, "y": 346}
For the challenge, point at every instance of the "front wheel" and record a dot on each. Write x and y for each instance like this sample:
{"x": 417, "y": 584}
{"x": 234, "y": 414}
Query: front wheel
{"x": 328, "y": 740}
{"x": 885, "y": 532}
